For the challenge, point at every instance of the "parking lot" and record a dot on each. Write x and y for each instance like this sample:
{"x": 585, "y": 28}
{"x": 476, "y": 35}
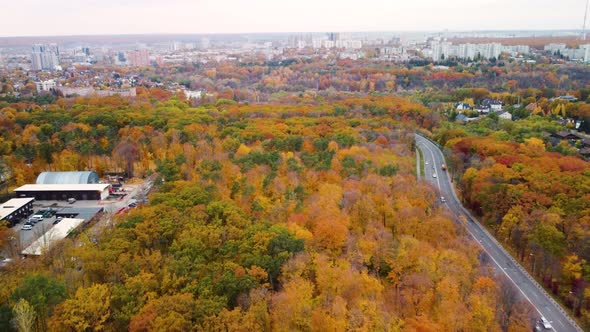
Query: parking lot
{"x": 82, "y": 209}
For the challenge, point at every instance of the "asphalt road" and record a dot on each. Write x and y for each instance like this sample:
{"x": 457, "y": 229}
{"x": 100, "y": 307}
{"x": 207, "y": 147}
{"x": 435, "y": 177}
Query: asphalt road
{"x": 503, "y": 261}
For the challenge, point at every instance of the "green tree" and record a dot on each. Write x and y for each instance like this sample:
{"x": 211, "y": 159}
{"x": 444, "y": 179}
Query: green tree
{"x": 42, "y": 293}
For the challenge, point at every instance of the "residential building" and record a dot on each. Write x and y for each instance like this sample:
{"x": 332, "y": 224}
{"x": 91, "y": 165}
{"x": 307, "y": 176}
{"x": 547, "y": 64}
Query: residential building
{"x": 45, "y": 57}
{"x": 505, "y": 115}
{"x": 492, "y": 104}
{"x": 138, "y": 58}
{"x": 554, "y": 48}
{"x": 45, "y": 85}
{"x": 586, "y": 48}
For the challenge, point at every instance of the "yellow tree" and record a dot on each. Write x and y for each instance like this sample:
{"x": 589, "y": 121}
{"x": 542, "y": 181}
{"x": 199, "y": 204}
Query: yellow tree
{"x": 89, "y": 309}
{"x": 24, "y": 316}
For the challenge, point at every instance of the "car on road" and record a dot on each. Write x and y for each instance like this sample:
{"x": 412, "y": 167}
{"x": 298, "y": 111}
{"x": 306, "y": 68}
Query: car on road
{"x": 545, "y": 323}
{"x": 426, "y": 162}
{"x": 433, "y": 175}
{"x": 442, "y": 199}
{"x": 27, "y": 227}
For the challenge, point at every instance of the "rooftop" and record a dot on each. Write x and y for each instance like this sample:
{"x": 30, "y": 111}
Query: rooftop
{"x": 53, "y": 235}
{"x": 83, "y": 177}
{"x": 12, "y": 205}
{"x": 64, "y": 187}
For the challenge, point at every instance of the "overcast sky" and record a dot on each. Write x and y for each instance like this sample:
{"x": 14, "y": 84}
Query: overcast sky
{"x": 80, "y": 17}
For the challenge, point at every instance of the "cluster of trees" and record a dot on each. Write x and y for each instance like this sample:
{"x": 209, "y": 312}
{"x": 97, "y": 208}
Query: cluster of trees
{"x": 256, "y": 79}
{"x": 261, "y": 81}
{"x": 113, "y": 134}
{"x": 535, "y": 201}
{"x": 271, "y": 217}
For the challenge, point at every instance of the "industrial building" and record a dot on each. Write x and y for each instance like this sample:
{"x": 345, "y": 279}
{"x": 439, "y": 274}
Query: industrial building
{"x": 52, "y": 236}
{"x": 15, "y": 209}
{"x": 86, "y": 177}
{"x": 62, "y": 192}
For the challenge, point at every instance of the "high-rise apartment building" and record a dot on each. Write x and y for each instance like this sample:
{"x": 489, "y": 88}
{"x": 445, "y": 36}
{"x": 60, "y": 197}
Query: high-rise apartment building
{"x": 138, "y": 58}
{"x": 45, "y": 57}
{"x": 586, "y": 48}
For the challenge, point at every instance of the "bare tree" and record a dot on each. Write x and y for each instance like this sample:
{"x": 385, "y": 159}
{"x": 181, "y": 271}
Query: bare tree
{"x": 127, "y": 152}
{"x": 24, "y": 316}
{"x": 508, "y": 299}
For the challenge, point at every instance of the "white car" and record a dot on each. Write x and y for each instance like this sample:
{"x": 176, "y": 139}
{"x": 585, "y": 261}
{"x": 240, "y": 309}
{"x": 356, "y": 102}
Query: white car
{"x": 442, "y": 199}
{"x": 545, "y": 323}
{"x": 433, "y": 175}
{"x": 27, "y": 227}
{"x": 426, "y": 163}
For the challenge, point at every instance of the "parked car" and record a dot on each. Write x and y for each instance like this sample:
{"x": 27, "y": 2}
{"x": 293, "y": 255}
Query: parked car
{"x": 48, "y": 214}
{"x": 433, "y": 175}
{"x": 71, "y": 200}
{"x": 57, "y": 220}
{"x": 35, "y": 219}
{"x": 5, "y": 262}
{"x": 27, "y": 227}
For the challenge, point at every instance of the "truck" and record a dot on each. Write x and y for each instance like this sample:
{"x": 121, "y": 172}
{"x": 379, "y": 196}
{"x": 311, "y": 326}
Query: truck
{"x": 443, "y": 167}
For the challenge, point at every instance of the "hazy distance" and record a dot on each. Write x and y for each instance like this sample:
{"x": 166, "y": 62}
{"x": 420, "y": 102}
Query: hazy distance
{"x": 100, "y": 17}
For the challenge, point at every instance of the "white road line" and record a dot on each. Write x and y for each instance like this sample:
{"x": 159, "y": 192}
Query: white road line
{"x": 433, "y": 164}
{"x": 488, "y": 253}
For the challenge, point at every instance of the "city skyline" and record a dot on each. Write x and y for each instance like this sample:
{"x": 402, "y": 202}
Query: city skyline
{"x": 61, "y": 17}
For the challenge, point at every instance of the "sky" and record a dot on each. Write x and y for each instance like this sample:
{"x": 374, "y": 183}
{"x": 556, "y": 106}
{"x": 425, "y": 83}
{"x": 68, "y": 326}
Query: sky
{"x": 92, "y": 17}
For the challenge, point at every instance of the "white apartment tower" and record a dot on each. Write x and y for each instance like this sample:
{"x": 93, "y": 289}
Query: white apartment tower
{"x": 45, "y": 57}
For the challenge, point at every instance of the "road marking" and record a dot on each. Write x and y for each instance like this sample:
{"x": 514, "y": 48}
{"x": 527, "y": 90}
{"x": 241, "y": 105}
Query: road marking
{"x": 433, "y": 164}
{"x": 489, "y": 255}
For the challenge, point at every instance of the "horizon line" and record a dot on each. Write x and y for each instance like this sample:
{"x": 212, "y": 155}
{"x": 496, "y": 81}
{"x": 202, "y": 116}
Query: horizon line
{"x": 290, "y": 32}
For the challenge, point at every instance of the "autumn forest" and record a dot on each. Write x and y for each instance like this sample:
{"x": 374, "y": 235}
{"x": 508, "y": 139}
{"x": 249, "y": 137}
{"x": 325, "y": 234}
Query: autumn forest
{"x": 303, "y": 212}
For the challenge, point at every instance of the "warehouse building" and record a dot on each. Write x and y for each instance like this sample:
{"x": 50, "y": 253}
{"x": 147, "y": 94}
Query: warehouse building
{"x": 16, "y": 209}
{"x": 86, "y": 177}
{"x": 52, "y": 236}
{"x": 62, "y": 192}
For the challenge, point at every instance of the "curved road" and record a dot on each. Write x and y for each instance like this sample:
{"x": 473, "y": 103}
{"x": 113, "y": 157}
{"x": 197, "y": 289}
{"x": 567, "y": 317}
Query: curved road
{"x": 503, "y": 261}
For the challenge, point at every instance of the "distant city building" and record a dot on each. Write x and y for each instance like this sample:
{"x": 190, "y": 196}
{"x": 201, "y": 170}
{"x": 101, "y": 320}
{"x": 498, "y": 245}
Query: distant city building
{"x": 586, "y": 48}
{"x": 349, "y": 43}
{"x": 138, "y": 58}
{"x": 582, "y": 53}
{"x": 86, "y": 91}
{"x": 328, "y": 43}
{"x": 333, "y": 36}
{"x": 205, "y": 43}
{"x": 160, "y": 60}
{"x": 440, "y": 51}
{"x": 45, "y": 85}
{"x": 554, "y": 48}
{"x": 45, "y": 57}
